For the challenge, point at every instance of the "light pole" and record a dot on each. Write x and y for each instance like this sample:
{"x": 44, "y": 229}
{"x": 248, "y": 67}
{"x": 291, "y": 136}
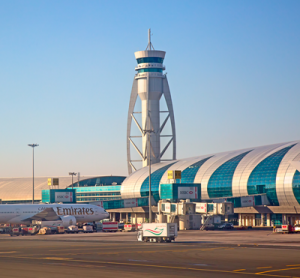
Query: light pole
{"x": 72, "y": 174}
{"x": 33, "y": 146}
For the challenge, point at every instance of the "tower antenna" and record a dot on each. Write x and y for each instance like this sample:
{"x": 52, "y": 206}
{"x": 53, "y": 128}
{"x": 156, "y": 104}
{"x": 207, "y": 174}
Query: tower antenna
{"x": 150, "y": 45}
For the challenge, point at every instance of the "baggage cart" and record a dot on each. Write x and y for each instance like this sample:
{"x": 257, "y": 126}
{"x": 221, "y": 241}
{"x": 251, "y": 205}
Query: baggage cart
{"x": 15, "y": 232}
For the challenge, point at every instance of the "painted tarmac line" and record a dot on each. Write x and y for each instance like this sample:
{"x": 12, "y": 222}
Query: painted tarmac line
{"x": 144, "y": 252}
{"x": 8, "y": 252}
{"x": 293, "y": 265}
{"x": 261, "y": 267}
{"x": 239, "y": 269}
{"x": 57, "y": 259}
{"x": 156, "y": 266}
{"x": 274, "y": 270}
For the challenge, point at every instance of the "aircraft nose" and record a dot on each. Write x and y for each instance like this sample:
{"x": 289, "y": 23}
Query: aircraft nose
{"x": 106, "y": 214}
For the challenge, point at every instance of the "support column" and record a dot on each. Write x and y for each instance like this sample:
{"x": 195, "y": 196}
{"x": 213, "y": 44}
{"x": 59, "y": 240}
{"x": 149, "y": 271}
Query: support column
{"x": 126, "y": 217}
{"x": 113, "y": 216}
{"x": 262, "y": 219}
{"x": 240, "y": 219}
{"x": 121, "y": 216}
{"x": 284, "y": 219}
{"x": 268, "y": 219}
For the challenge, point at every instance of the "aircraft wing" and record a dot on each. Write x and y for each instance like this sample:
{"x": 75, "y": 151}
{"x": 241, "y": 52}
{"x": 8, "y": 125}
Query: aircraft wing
{"x": 48, "y": 214}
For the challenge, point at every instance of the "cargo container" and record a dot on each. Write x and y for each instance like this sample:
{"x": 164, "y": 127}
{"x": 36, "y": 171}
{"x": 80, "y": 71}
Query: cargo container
{"x": 157, "y": 232}
{"x": 15, "y": 232}
{"x": 109, "y": 226}
{"x": 33, "y": 230}
{"x": 287, "y": 228}
{"x": 129, "y": 227}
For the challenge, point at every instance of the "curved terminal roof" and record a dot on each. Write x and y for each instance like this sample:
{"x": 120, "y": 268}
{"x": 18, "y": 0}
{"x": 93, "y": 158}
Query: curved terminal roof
{"x": 15, "y": 189}
{"x": 272, "y": 169}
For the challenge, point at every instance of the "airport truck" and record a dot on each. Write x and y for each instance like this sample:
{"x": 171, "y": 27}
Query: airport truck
{"x": 157, "y": 232}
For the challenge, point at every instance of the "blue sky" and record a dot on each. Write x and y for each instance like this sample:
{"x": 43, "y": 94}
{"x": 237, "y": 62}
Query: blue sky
{"x": 66, "y": 71}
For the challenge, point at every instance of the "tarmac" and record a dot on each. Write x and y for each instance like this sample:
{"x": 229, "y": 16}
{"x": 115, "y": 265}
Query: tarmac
{"x": 193, "y": 254}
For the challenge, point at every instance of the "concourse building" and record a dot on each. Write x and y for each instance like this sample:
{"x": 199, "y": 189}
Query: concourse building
{"x": 88, "y": 189}
{"x": 272, "y": 171}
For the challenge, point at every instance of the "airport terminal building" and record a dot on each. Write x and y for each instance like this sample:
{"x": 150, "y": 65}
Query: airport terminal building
{"x": 272, "y": 171}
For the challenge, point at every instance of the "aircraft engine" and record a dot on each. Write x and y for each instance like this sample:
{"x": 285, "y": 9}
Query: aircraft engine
{"x": 68, "y": 220}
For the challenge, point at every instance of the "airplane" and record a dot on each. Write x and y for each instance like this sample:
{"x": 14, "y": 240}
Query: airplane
{"x": 64, "y": 214}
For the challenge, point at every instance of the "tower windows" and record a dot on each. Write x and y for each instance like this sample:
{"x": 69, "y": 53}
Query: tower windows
{"x": 149, "y": 70}
{"x": 150, "y": 60}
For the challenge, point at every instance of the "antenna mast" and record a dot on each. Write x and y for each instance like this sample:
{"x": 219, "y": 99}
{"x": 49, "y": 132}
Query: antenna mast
{"x": 150, "y": 45}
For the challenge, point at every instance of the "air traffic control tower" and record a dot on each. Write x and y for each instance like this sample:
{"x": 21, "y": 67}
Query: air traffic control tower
{"x": 150, "y": 84}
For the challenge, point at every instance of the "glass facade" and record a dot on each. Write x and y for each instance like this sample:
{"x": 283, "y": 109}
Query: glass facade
{"x": 188, "y": 174}
{"x": 296, "y": 186}
{"x": 109, "y": 180}
{"x": 276, "y": 219}
{"x": 98, "y": 193}
{"x": 120, "y": 203}
{"x": 150, "y": 70}
{"x": 264, "y": 176}
{"x": 155, "y": 180}
{"x": 220, "y": 182}
{"x": 150, "y": 60}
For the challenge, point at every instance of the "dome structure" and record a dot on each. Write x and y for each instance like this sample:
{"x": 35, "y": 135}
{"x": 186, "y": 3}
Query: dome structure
{"x": 272, "y": 169}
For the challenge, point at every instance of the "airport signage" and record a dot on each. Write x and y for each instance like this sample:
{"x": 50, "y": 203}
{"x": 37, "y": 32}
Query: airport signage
{"x": 130, "y": 203}
{"x": 247, "y": 201}
{"x": 174, "y": 175}
{"x": 167, "y": 207}
{"x": 53, "y": 181}
{"x": 187, "y": 192}
{"x": 201, "y": 207}
{"x": 64, "y": 197}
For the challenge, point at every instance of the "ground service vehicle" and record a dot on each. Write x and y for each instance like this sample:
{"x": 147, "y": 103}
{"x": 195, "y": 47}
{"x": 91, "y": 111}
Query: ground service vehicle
{"x": 157, "y": 232}
{"x": 44, "y": 231}
{"x": 88, "y": 229}
{"x": 297, "y": 228}
{"x": 72, "y": 229}
{"x": 226, "y": 226}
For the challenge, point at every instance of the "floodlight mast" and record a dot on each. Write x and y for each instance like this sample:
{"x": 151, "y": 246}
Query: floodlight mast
{"x": 72, "y": 174}
{"x": 33, "y": 146}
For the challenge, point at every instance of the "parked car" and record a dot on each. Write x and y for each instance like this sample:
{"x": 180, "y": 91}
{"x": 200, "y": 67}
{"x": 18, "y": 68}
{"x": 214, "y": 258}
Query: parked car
{"x": 121, "y": 226}
{"x": 226, "y": 226}
{"x": 208, "y": 227}
{"x": 297, "y": 228}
